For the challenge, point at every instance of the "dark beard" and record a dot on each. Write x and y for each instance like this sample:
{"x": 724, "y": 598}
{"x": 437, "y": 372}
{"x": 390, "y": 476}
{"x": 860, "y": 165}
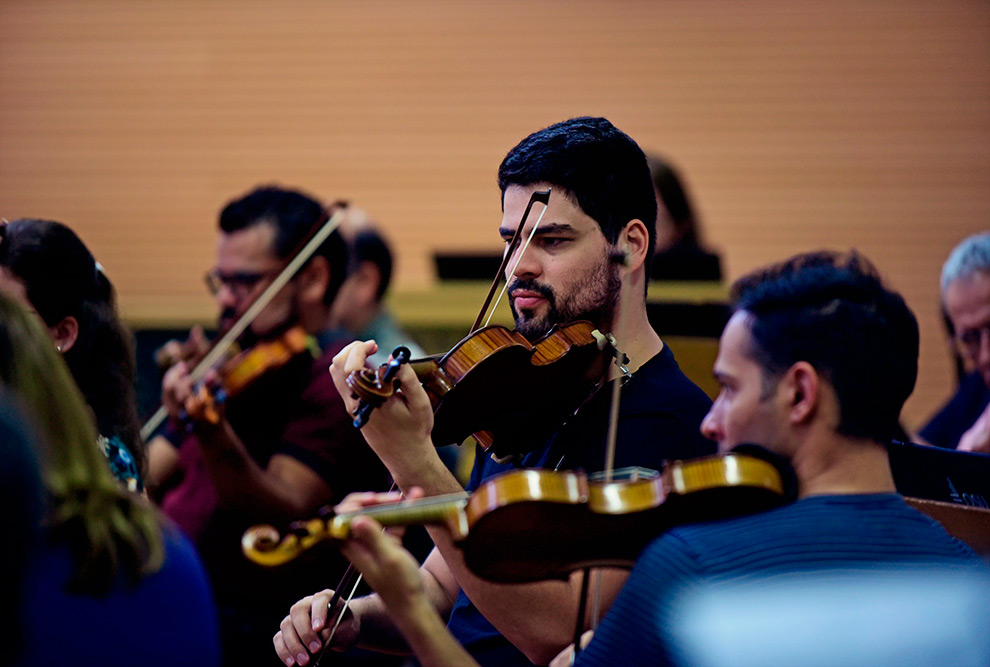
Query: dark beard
{"x": 595, "y": 299}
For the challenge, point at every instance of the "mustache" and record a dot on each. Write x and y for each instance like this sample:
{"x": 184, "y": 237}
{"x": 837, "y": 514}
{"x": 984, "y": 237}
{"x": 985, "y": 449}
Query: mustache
{"x": 228, "y": 315}
{"x": 531, "y": 285}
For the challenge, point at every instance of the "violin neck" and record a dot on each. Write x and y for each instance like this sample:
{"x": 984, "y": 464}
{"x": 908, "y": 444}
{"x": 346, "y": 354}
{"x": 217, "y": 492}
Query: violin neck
{"x": 444, "y": 510}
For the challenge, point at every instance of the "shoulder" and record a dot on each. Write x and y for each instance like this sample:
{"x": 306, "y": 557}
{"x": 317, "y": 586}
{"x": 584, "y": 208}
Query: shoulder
{"x": 661, "y": 386}
{"x": 820, "y": 531}
{"x": 661, "y": 412}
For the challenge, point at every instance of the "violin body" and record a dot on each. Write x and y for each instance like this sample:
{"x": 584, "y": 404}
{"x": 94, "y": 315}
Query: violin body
{"x": 579, "y": 522}
{"x": 238, "y": 373}
{"x": 532, "y": 525}
{"x": 246, "y": 367}
{"x": 502, "y": 389}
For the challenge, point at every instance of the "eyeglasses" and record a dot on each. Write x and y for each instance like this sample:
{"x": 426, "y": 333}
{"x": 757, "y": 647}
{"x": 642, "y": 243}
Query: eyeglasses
{"x": 972, "y": 339}
{"x": 240, "y": 283}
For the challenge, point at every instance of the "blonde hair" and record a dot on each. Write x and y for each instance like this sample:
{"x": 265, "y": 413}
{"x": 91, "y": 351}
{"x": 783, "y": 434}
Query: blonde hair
{"x": 107, "y": 528}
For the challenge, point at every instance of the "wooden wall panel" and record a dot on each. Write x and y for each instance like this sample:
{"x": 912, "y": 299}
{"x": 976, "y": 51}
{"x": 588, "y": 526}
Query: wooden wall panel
{"x": 799, "y": 125}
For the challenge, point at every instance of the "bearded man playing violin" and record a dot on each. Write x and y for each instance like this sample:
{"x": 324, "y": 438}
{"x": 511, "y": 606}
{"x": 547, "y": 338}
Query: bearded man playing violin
{"x": 601, "y": 206}
{"x": 281, "y": 445}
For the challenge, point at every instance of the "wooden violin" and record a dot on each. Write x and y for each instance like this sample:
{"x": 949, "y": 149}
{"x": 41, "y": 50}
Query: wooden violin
{"x": 220, "y": 350}
{"x": 499, "y": 387}
{"x": 532, "y": 525}
{"x": 237, "y": 373}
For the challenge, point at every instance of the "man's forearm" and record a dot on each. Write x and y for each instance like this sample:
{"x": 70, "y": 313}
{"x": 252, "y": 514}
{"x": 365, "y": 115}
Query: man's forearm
{"x": 380, "y": 632}
{"x": 243, "y": 485}
{"x": 539, "y": 618}
{"x": 429, "y": 638}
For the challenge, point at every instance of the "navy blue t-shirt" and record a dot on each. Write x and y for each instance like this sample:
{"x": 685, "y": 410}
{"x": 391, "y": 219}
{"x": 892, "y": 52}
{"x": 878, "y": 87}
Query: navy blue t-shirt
{"x": 959, "y": 414}
{"x": 660, "y": 413}
{"x": 823, "y": 534}
{"x": 167, "y": 618}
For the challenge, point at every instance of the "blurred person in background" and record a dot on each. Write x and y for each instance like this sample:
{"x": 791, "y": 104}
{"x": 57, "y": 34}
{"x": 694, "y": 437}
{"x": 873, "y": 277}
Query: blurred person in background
{"x": 106, "y": 575}
{"x": 45, "y": 265}
{"x": 20, "y": 494}
{"x": 680, "y": 252}
{"x": 282, "y": 444}
{"x": 964, "y": 422}
{"x": 359, "y": 307}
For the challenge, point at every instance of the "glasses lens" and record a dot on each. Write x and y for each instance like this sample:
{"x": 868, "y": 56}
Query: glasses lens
{"x": 971, "y": 339}
{"x": 240, "y": 284}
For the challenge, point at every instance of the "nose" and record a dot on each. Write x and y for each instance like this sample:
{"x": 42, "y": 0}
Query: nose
{"x": 711, "y": 426}
{"x": 524, "y": 262}
{"x": 226, "y": 296}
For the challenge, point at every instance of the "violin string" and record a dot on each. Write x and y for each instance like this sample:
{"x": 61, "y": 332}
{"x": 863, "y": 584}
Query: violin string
{"x": 516, "y": 264}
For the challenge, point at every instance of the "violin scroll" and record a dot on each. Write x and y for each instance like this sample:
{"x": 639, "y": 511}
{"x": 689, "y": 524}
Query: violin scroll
{"x": 266, "y": 546}
{"x": 373, "y": 387}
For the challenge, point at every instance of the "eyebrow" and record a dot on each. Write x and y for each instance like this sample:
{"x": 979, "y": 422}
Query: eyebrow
{"x": 543, "y": 230}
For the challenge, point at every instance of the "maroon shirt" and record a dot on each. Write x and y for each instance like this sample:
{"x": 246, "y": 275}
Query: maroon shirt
{"x": 294, "y": 410}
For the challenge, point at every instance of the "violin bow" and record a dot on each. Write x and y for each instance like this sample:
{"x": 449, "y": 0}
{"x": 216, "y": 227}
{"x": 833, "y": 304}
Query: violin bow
{"x": 622, "y": 257}
{"x": 541, "y": 196}
{"x": 323, "y": 228}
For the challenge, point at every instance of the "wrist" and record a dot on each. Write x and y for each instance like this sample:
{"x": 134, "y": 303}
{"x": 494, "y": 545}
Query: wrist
{"x": 426, "y": 471}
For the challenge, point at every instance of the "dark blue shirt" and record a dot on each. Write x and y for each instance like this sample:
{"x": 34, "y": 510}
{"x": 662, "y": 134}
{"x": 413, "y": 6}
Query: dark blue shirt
{"x": 660, "y": 414}
{"x": 168, "y": 618}
{"x": 819, "y": 533}
{"x": 959, "y": 414}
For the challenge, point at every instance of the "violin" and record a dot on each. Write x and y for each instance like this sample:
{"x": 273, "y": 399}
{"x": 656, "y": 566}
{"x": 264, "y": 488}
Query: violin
{"x": 531, "y": 525}
{"x": 244, "y": 368}
{"x": 468, "y": 386}
{"x": 220, "y": 350}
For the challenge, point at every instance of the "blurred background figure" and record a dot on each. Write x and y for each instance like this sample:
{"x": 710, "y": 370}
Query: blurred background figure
{"x": 49, "y": 269}
{"x": 20, "y": 493}
{"x": 680, "y": 251}
{"x": 359, "y": 308}
{"x": 964, "y": 422}
{"x": 106, "y": 577}
{"x": 281, "y": 443}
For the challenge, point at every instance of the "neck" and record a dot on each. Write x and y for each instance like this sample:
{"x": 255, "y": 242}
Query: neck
{"x": 631, "y": 326}
{"x": 313, "y": 320}
{"x": 835, "y": 464}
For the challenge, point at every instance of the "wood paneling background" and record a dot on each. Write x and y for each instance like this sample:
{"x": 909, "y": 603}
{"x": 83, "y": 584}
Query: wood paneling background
{"x": 799, "y": 125}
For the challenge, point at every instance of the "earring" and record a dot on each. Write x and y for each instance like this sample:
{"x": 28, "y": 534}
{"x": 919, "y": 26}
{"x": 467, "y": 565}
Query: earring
{"x": 58, "y": 347}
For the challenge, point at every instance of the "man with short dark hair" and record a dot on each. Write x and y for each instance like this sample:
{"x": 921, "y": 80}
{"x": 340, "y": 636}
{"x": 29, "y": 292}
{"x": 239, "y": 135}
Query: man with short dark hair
{"x": 815, "y": 365}
{"x": 964, "y": 422}
{"x": 283, "y": 444}
{"x": 588, "y": 260}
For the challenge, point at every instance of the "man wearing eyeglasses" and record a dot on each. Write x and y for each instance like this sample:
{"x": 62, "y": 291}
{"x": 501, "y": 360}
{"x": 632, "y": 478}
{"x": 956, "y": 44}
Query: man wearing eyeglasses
{"x": 964, "y": 422}
{"x": 283, "y": 444}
